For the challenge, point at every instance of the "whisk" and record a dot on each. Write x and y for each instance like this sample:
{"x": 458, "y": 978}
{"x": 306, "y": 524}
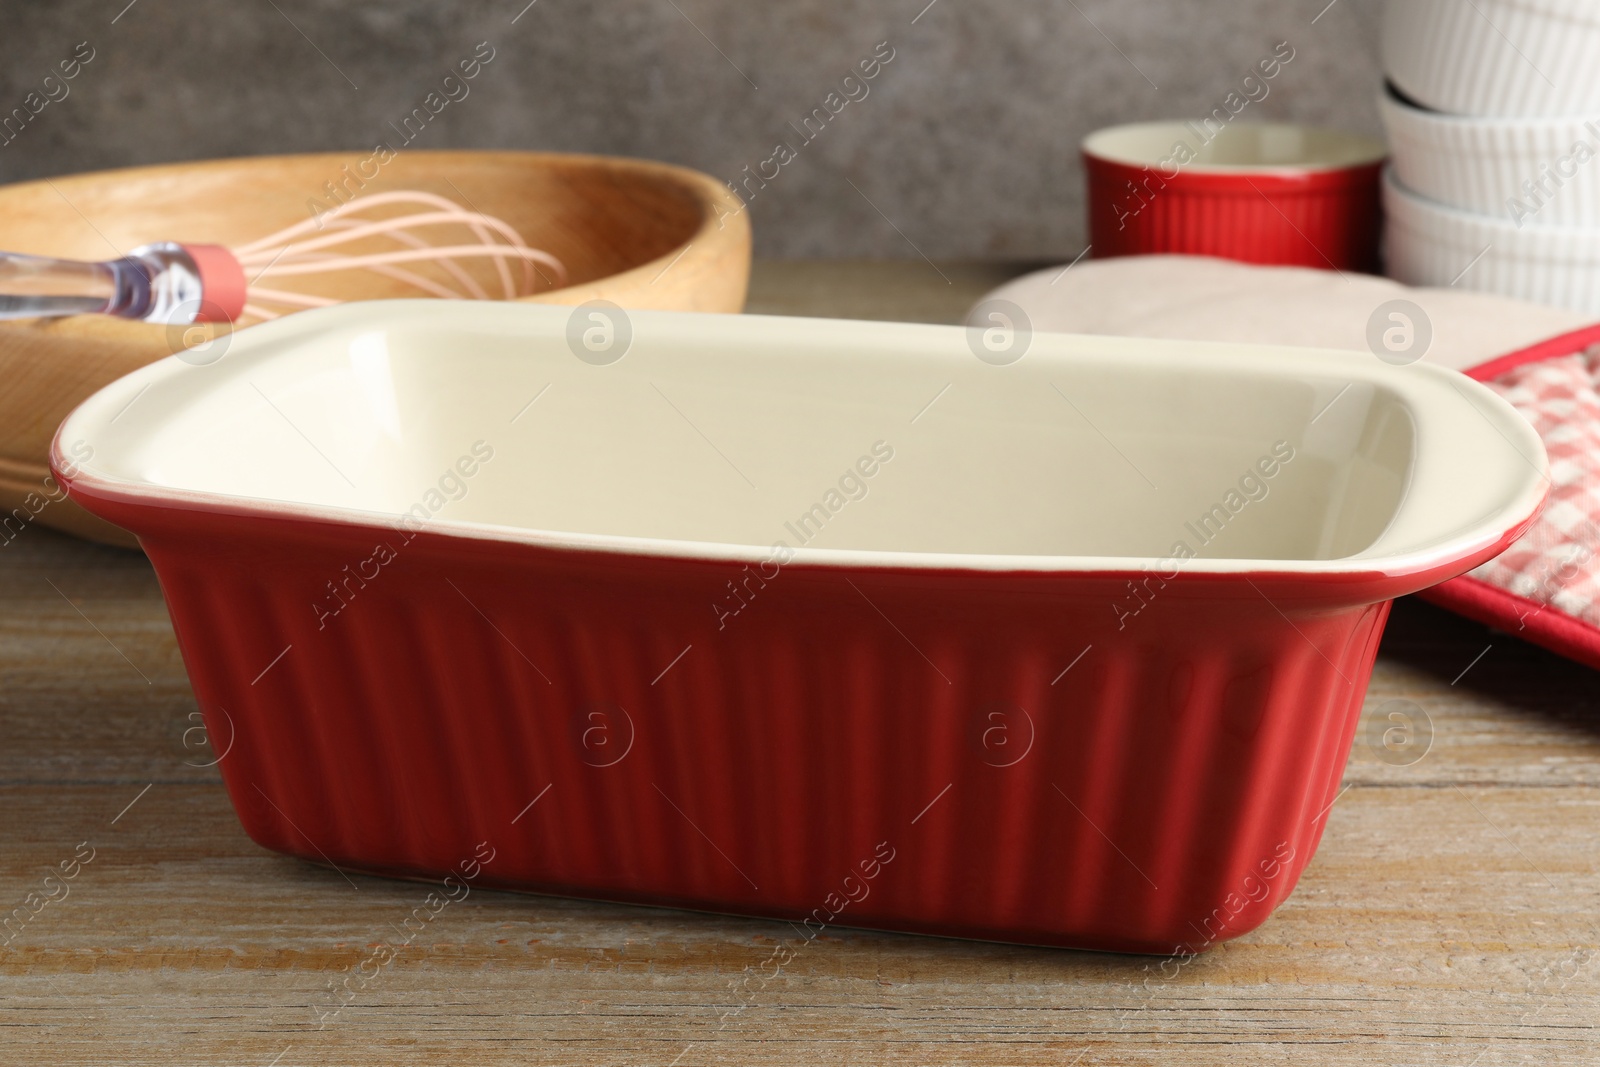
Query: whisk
{"x": 178, "y": 284}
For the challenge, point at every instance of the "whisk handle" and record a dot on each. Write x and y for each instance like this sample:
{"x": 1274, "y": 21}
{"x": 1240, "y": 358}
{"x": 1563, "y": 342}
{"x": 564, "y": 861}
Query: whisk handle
{"x": 164, "y": 282}
{"x": 39, "y": 286}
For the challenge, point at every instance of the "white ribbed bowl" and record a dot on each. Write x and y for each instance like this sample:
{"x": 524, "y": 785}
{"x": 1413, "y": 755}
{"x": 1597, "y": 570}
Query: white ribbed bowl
{"x": 1428, "y": 243}
{"x": 1481, "y": 164}
{"x": 1495, "y": 57}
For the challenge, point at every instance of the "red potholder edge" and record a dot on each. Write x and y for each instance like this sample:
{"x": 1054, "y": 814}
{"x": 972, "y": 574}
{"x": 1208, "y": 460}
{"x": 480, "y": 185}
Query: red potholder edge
{"x": 1522, "y": 616}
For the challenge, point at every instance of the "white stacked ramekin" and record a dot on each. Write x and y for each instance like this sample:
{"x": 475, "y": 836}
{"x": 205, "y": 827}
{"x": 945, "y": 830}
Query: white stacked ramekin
{"x": 1431, "y": 244}
{"x": 1493, "y": 117}
{"x": 1495, "y": 57}
{"x": 1525, "y": 171}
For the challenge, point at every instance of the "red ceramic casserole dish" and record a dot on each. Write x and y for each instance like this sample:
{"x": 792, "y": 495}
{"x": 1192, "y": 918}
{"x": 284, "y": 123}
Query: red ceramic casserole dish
{"x": 826, "y": 621}
{"x": 1263, "y": 192}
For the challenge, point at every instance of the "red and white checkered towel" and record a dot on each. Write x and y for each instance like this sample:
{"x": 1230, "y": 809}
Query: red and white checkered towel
{"x": 1546, "y": 586}
{"x": 1554, "y": 563}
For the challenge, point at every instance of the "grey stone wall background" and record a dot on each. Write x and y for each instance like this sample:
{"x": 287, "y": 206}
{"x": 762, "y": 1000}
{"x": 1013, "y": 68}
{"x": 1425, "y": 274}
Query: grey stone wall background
{"x": 964, "y": 148}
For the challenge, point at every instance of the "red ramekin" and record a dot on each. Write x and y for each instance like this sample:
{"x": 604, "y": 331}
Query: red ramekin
{"x": 1256, "y": 192}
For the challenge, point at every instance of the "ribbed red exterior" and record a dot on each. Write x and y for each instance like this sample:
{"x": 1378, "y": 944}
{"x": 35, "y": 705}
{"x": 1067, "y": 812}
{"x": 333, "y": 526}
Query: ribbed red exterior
{"x": 1160, "y": 795}
{"x": 1324, "y": 219}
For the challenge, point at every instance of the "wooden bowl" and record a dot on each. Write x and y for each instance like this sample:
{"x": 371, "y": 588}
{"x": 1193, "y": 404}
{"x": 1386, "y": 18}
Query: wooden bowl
{"x": 637, "y": 233}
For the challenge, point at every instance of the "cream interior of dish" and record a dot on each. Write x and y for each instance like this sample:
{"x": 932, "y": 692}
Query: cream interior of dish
{"x": 1235, "y": 145}
{"x": 788, "y": 441}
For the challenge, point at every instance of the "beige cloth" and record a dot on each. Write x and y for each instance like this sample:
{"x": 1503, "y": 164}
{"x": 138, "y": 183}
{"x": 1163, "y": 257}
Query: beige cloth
{"x": 1202, "y": 299}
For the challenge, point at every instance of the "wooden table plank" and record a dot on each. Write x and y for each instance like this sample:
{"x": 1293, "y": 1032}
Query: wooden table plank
{"x": 1450, "y": 916}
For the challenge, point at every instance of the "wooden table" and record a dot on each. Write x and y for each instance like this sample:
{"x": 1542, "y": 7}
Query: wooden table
{"x": 1449, "y": 917}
